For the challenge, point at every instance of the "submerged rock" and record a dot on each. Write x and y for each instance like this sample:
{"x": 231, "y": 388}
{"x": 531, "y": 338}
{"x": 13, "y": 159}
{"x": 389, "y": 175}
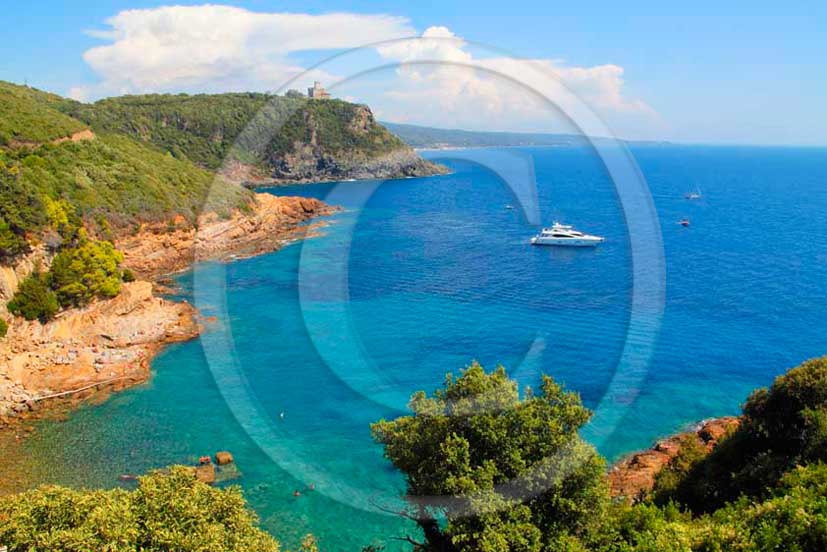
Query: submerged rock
{"x": 205, "y": 473}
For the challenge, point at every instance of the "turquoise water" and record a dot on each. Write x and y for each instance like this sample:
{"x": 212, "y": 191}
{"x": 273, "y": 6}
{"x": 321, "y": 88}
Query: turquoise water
{"x": 439, "y": 273}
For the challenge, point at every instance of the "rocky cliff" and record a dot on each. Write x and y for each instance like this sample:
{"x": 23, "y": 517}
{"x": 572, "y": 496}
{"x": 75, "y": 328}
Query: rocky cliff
{"x": 261, "y": 138}
{"x": 108, "y": 342}
{"x": 347, "y": 145}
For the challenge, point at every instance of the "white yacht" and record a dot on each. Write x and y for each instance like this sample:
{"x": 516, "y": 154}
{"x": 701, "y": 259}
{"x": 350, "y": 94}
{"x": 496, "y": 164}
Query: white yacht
{"x": 561, "y": 234}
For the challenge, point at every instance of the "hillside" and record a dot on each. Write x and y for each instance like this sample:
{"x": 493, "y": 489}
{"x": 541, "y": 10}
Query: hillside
{"x": 267, "y": 138}
{"x": 84, "y": 211}
{"x": 102, "y": 176}
{"x": 31, "y": 116}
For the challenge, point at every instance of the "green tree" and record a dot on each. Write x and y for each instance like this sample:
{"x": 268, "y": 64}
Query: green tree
{"x": 510, "y": 473}
{"x": 34, "y": 300}
{"x": 168, "y": 511}
{"x": 11, "y": 244}
{"x": 89, "y": 270}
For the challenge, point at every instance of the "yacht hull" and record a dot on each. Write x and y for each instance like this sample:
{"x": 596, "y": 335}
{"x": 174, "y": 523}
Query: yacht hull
{"x": 566, "y": 242}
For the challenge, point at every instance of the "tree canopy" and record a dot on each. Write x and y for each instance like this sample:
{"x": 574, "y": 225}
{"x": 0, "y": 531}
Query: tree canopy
{"x": 168, "y": 511}
{"x": 487, "y": 469}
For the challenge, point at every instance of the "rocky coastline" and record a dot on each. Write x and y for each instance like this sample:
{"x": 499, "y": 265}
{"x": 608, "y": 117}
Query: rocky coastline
{"x": 109, "y": 344}
{"x": 634, "y": 476}
{"x": 165, "y": 248}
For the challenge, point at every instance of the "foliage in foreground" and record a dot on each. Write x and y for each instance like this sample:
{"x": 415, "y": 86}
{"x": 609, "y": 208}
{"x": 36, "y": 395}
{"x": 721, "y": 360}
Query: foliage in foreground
{"x": 477, "y": 433}
{"x": 168, "y": 511}
{"x": 783, "y": 427}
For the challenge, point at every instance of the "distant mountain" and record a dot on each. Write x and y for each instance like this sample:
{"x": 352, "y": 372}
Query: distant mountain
{"x": 430, "y": 137}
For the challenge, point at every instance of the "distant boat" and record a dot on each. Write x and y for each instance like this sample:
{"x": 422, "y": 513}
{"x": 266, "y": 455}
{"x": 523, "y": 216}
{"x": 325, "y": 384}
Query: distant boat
{"x": 566, "y": 236}
{"x": 694, "y": 195}
{"x": 684, "y": 222}
{"x": 509, "y": 207}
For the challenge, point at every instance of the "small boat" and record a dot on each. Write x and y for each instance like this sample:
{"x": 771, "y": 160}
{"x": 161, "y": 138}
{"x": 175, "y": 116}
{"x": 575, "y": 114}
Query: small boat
{"x": 565, "y": 235}
{"x": 694, "y": 195}
{"x": 509, "y": 207}
{"x": 684, "y": 222}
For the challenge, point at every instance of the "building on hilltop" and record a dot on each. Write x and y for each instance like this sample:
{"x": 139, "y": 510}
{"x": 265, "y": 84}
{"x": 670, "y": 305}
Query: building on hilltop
{"x": 317, "y": 92}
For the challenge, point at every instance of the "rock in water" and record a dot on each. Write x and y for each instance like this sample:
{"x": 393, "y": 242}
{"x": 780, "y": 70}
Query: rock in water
{"x": 223, "y": 457}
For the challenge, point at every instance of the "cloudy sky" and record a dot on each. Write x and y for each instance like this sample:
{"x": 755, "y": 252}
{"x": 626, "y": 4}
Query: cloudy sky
{"x": 751, "y": 77}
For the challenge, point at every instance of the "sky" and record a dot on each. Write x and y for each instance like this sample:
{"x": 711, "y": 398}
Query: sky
{"x": 740, "y": 74}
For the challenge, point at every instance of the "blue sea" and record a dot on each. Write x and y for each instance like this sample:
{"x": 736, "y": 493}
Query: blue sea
{"x": 419, "y": 277}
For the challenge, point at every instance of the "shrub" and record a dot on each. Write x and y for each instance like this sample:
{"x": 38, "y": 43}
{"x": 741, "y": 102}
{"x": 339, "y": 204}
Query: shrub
{"x": 784, "y": 426}
{"x": 4, "y": 327}
{"x": 168, "y": 511}
{"x": 89, "y": 270}
{"x": 34, "y": 300}
{"x": 11, "y": 244}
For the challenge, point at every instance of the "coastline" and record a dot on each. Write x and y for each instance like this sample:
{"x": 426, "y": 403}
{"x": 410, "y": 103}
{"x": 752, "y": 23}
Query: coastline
{"x": 633, "y": 476}
{"x": 109, "y": 345}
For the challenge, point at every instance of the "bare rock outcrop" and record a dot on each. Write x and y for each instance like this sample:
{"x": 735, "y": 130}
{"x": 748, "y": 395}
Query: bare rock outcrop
{"x": 274, "y": 221}
{"x": 634, "y": 476}
{"x": 108, "y": 342}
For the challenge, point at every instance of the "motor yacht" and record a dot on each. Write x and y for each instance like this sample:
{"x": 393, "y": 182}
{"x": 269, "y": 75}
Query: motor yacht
{"x": 565, "y": 235}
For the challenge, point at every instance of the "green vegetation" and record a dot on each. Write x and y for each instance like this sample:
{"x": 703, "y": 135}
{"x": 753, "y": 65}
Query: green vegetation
{"x": 50, "y": 192}
{"x": 784, "y": 426}
{"x": 29, "y": 115}
{"x": 168, "y": 511}
{"x": 119, "y": 179}
{"x": 765, "y": 486}
{"x": 476, "y": 434}
{"x": 34, "y": 299}
{"x": 4, "y": 327}
{"x": 340, "y": 128}
{"x": 201, "y": 128}
{"x": 80, "y": 272}
{"x": 207, "y": 129}
{"x": 112, "y": 180}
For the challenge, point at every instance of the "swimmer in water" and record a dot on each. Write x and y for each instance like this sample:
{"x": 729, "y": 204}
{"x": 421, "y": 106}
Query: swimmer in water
{"x": 296, "y": 493}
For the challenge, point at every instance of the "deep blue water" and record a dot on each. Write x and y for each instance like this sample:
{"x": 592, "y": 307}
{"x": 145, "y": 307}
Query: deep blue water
{"x": 422, "y": 276}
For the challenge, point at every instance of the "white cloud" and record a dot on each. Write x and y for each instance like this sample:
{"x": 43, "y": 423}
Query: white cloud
{"x": 219, "y": 48}
{"x": 214, "y": 48}
{"x": 440, "y": 78}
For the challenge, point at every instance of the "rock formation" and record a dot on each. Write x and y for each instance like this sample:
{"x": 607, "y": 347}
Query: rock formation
{"x": 274, "y": 221}
{"x": 108, "y": 342}
{"x": 634, "y": 476}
